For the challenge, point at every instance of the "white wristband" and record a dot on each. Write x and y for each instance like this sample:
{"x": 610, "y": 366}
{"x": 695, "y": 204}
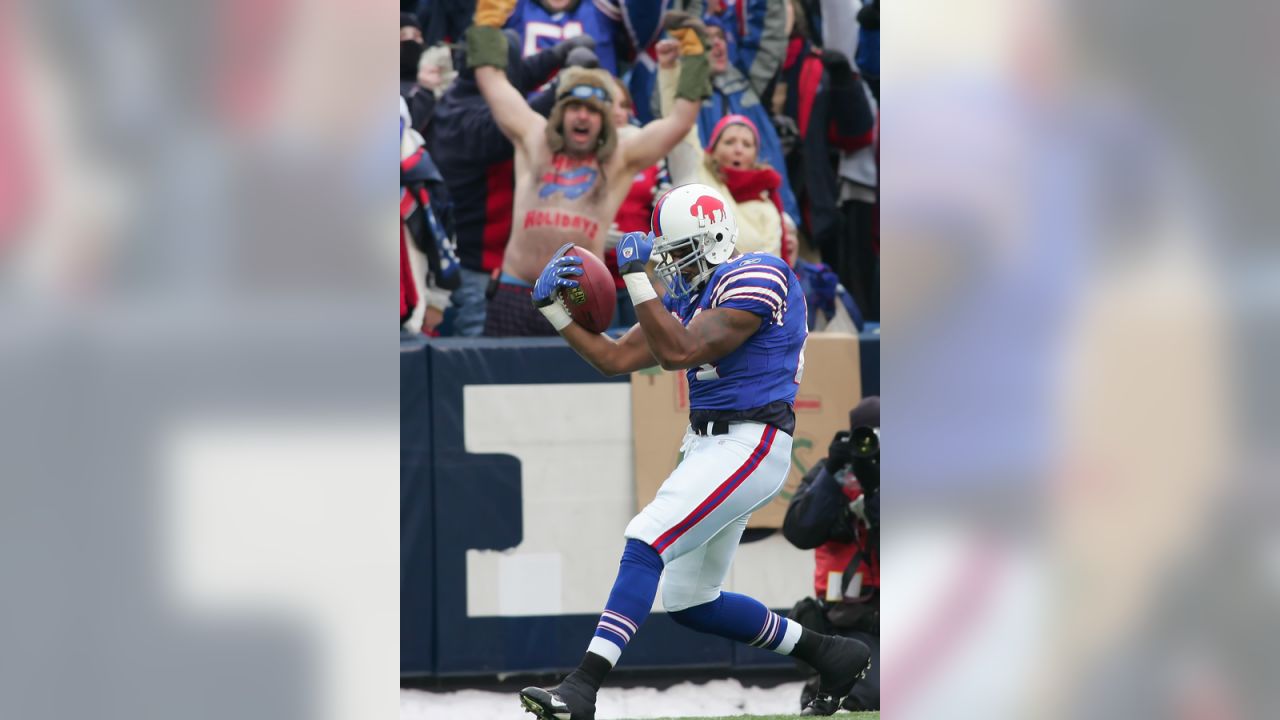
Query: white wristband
{"x": 639, "y": 288}
{"x": 556, "y": 315}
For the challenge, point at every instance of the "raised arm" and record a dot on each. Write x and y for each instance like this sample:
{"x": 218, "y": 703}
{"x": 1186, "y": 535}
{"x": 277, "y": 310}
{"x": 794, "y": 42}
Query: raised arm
{"x": 515, "y": 118}
{"x": 657, "y": 138}
{"x": 840, "y": 26}
{"x": 684, "y": 158}
{"x": 761, "y": 50}
{"x": 850, "y": 115}
{"x": 487, "y": 53}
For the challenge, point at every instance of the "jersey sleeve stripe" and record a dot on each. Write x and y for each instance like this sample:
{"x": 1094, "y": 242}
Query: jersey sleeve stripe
{"x": 753, "y": 278}
{"x": 750, "y": 276}
{"x": 755, "y": 271}
{"x": 756, "y": 282}
{"x": 767, "y": 297}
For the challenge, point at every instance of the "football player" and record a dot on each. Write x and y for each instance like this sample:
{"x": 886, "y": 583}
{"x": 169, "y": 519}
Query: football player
{"x": 737, "y": 325}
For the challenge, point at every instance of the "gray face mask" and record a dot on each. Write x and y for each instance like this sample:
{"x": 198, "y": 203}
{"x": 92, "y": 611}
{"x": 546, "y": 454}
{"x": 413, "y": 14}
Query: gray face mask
{"x": 670, "y": 269}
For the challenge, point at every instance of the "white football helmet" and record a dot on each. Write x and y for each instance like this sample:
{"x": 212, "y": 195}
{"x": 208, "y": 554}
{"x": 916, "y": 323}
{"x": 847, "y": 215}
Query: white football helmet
{"x": 692, "y": 227}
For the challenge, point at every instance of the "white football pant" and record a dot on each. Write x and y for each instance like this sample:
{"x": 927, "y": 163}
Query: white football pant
{"x": 701, "y": 509}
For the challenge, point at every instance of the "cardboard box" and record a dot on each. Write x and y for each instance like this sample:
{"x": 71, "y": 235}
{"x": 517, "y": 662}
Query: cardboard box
{"x": 831, "y": 386}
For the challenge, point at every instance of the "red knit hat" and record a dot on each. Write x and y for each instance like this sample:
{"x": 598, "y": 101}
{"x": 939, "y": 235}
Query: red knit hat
{"x": 728, "y": 120}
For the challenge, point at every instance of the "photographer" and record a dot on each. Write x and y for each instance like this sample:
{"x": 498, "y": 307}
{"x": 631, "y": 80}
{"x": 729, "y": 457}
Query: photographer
{"x": 836, "y": 513}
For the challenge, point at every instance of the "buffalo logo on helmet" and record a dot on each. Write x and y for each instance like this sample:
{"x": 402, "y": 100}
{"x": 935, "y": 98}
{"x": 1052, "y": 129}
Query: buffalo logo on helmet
{"x": 706, "y": 207}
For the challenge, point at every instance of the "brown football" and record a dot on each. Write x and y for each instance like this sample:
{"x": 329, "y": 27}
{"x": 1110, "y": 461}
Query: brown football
{"x": 591, "y": 303}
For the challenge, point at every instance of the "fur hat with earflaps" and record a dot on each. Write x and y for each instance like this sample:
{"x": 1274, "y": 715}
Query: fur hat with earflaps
{"x": 593, "y": 88}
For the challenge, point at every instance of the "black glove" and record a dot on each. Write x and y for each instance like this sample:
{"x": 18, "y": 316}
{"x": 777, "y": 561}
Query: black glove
{"x": 840, "y": 453}
{"x": 838, "y": 68}
{"x": 788, "y": 133}
{"x": 869, "y": 16}
{"x": 563, "y": 50}
{"x": 674, "y": 20}
{"x": 850, "y": 110}
{"x": 583, "y": 57}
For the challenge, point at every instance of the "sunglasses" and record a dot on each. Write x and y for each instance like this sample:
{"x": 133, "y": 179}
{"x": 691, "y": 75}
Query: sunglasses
{"x": 586, "y": 92}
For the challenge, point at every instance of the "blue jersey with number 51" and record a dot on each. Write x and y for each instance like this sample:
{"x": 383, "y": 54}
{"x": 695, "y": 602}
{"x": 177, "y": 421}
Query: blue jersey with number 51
{"x": 541, "y": 30}
{"x": 767, "y": 367}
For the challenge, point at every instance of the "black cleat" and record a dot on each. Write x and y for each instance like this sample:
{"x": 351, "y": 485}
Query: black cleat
{"x": 853, "y": 704}
{"x": 841, "y": 662}
{"x": 809, "y": 691}
{"x": 821, "y": 704}
{"x": 572, "y": 699}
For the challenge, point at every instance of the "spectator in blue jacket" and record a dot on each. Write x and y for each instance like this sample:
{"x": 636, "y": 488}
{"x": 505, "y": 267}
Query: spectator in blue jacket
{"x": 756, "y": 36}
{"x": 731, "y": 94}
{"x": 756, "y": 31}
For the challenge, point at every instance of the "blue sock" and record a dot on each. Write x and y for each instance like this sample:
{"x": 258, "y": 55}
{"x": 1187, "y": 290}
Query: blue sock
{"x": 629, "y": 601}
{"x": 744, "y": 619}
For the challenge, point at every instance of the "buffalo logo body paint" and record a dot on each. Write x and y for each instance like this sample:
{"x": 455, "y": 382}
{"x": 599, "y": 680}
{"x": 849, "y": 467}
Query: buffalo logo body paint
{"x": 572, "y": 177}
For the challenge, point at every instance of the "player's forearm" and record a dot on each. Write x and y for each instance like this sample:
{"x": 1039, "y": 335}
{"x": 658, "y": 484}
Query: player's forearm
{"x": 601, "y": 351}
{"x": 669, "y": 340}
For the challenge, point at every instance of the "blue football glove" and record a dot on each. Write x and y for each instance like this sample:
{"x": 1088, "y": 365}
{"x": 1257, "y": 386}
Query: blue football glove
{"x": 633, "y": 252}
{"x": 557, "y": 274}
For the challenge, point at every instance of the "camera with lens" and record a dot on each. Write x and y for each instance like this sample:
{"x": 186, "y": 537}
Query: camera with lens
{"x": 854, "y": 456}
{"x": 866, "y": 458}
{"x": 865, "y": 441}
{"x": 857, "y": 451}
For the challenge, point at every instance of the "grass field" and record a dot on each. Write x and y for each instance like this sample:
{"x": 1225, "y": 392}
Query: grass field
{"x": 838, "y": 716}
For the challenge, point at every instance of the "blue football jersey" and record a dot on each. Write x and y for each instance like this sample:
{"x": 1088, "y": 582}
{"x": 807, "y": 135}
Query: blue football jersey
{"x": 541, "y": 30}
{"x": 767, "y": 367}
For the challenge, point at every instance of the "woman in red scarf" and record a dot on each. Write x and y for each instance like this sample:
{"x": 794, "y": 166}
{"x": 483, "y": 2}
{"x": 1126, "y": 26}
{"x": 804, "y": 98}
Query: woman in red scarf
{"x": 731, "y": 164}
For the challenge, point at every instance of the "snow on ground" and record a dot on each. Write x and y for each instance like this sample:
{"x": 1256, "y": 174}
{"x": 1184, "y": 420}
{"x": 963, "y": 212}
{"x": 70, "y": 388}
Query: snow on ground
{"x": 714, "y": 698}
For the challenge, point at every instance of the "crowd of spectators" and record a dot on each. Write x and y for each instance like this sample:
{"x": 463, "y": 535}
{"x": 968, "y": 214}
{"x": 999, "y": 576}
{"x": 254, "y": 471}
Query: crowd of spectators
{"x": 788, "y": 132}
